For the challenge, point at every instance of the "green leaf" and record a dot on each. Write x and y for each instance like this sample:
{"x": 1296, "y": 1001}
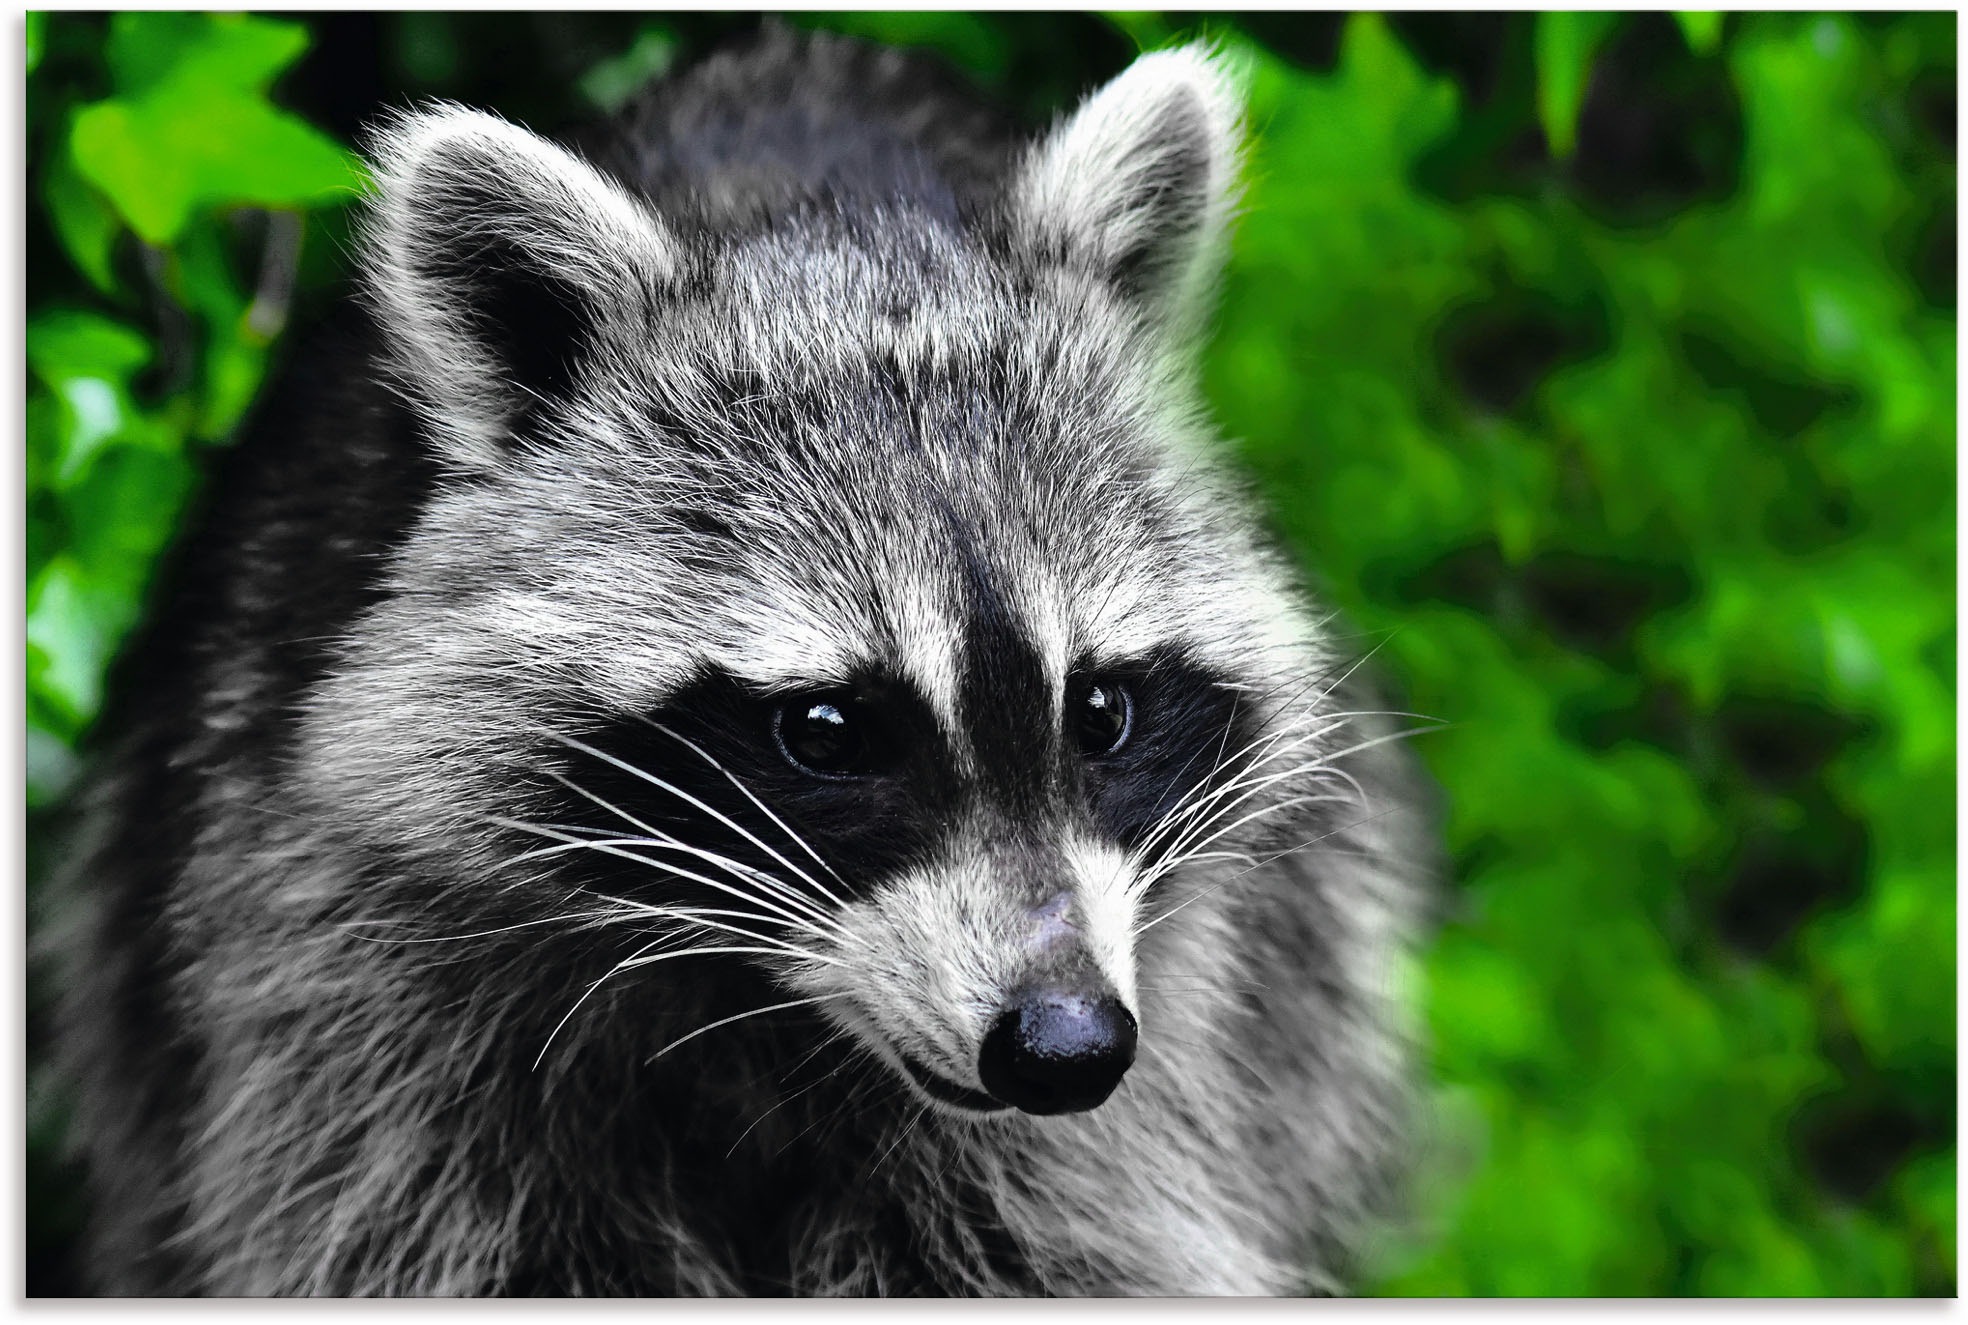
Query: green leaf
{"x": 62, "y": 342}
{"x": 84, "y": 222}
{"x": 123, "y": 516}
{"x": 191, "y": 127}
{"x": 223, "y": 52}
{"x": 612, "y": 82}
{"x": 1701, "y": 28}
{"x": 86, "y": 362}
{"x": 186, "y": 147}
{"x": 1565, "y": 45}
{"x": 37, "y": 37}
{"x": 118, "y": 150}
{"x": 72, "y": 629}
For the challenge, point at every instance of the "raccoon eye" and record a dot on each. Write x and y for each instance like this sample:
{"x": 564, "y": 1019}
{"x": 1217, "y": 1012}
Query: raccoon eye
{"x": 827, "y": 734}
{"x": 1104, "y": 717}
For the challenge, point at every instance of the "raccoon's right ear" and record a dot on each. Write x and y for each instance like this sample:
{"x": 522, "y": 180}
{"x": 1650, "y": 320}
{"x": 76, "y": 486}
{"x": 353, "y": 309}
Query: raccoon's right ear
{"x": 497, "y": 263}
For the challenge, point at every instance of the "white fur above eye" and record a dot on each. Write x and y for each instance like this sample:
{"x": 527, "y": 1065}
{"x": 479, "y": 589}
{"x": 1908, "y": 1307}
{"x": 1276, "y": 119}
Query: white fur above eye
{"x": 451, "y": 184}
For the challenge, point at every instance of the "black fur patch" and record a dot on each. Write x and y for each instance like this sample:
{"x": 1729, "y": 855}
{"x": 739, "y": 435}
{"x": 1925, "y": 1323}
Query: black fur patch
{"x": 865, "y": 828}
{"x": 1002, "y": 697}
{"x": 1186, "y": 723}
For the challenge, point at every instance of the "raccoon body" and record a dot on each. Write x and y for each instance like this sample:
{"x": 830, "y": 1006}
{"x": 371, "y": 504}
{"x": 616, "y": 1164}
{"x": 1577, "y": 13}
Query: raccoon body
{"x": 726, "y": 734}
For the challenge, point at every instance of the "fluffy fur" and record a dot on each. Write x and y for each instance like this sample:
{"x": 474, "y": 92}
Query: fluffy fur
{"x": 447, "y": 922}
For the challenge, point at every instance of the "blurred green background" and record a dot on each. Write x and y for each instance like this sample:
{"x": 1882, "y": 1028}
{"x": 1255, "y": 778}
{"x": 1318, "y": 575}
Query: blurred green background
{"x": 1602, "y": 367}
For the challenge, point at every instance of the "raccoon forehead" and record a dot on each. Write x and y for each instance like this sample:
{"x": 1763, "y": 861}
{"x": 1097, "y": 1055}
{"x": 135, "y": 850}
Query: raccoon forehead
{"x": 806, "y": 308}
{"x": 821, "y": 296}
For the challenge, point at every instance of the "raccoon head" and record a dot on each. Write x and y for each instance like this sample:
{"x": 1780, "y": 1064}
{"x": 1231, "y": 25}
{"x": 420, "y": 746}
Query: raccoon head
{"x": 851, "y": 596}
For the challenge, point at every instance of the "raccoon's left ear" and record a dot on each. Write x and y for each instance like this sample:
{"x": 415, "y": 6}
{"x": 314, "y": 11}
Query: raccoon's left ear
{"x": 498, "y": 264}
{"x": 1140, "y": 184}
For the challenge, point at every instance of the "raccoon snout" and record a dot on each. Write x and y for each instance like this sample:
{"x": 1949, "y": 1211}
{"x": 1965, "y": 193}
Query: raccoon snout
{"x": 1053, "y": 1051}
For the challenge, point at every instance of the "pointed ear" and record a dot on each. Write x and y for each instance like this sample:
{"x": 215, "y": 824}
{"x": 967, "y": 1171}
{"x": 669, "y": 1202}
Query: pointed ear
{"x": 498, "y": 264}
{"x": 1139, "y": 185}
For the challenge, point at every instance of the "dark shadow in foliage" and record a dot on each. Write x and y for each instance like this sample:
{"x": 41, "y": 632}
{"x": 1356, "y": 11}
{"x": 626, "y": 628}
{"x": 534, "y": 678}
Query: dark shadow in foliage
{"x": 1935, "y": 264}
{"x": 1496, "y": 353}
{"x": 1474, "y": 575}
{"x": 1782, "y": 742}
{"x": 1853, "y": 1142}
{"x": 1591, "y": 602}
{"x": 1653, "y": 713}
{"x": 1658, "y": 132}
{"x": 1595, "y": 602}
{"x": 1780, "y": 876}
{"x": 1310, "y": 41}
{"x": 1496, "y": 146}
{"x": 1780, "y": 402}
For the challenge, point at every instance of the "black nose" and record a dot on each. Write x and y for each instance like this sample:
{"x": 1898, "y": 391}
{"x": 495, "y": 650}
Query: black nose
{"x": 1054, "y": 1052}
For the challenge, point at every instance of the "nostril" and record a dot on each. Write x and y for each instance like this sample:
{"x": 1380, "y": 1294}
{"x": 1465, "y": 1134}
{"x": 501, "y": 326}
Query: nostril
{"x": 1057, "y": 1052}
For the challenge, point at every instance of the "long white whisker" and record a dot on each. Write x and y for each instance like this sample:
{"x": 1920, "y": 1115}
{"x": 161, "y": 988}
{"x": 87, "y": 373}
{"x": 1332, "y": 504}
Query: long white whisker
{"x": 665, "y": 867}
{"x": 763, "y": 809}
{"x": 348, "y": 925}
{"x": 1139, "y": 930}
{"x": 702, "y": 952}
{"x": 901, "y": 1136}
{"x": 736, "y": 868}
{"x": 1250, "y": 787}
{"x": 1401, "y": 735}
{"x": 1176, "y": 862}
{"x": 751, "y": 1127}
{"x": 695, "y": 916}
{"x": 789, "y": 894}
{"x": 755, "y": 1012}
{"x": 686, "y": 797}
{"x": 588, "y": 993}
{"x": 1201, "y": 794}
{"x": 1331, "y": 722}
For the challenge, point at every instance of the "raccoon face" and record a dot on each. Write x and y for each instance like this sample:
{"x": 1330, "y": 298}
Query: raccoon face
{"x": 852, "y": 598}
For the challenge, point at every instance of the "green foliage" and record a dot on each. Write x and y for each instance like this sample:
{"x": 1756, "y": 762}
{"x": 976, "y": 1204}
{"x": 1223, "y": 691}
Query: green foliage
{"x": 1566, "y": 45}
{"x": 139, "y": 189}
{"x": 1643, "y": 482}
{"x": 1767, "y": 437}
{"x": 190, "y": 125}
{"x": 1701, "y": 27}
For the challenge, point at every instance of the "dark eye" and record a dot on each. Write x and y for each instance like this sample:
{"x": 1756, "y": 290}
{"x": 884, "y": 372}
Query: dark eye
{"x": 827, "y": 733}
{"x": 1102, "y": 717}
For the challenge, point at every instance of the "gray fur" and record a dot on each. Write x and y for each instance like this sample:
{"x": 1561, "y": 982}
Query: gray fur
{"x": 331, "y": 1038}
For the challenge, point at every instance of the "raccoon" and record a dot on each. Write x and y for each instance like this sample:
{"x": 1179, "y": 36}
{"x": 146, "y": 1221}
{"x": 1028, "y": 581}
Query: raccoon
{"x": 727, "y": 731}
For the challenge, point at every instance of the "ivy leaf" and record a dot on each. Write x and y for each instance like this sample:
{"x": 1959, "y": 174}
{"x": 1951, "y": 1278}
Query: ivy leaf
{"x": 1565, "y": 45}
{"x": 86, "y": 361}
{"x": 84, "y": 222}
{"x": 231, "y": 52}
{"x": 1701, "y": 28}
{"x": 191, "y": 126}
{"x": 185, "y": 147}
{"x": 612, "y": 82}
{"x": 73, "y": 624}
